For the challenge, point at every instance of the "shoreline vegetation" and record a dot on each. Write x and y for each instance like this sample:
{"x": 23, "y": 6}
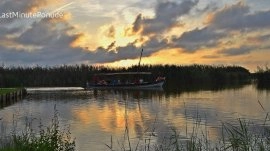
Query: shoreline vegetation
{"x": 263, "y": 77}
{"x": 44, "y": 138}
{"x": 176, "y": 75}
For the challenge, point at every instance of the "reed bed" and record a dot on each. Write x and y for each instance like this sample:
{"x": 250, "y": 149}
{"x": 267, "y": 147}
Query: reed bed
{"x": 48, "y": 138}
{"x": 244, "y": 135}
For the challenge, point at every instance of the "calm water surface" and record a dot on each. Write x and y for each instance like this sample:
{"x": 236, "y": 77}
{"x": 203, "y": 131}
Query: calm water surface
{"x": 96, "y": 116}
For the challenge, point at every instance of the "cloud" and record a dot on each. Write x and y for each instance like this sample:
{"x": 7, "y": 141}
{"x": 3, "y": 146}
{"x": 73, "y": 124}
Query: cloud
{"x": 111, "y": 32}
{"x": 5, "y": 31}
{"x": 220, "y": 25}
{"x": 198, "y": 38}
{"x": 130, "y": 51}
{"x": 137, "y": 25}
{"x": 102, "y": 55}
{"x": 260, "y": 39}
{"x": 239, "y": 17}
{"x": 45, "y": 41}
{"x": 25, "y": 5}
{"x": 111, "y": 46}
{"x": 54, "y": 46}
{"x": 237, "y": 51}
{"x": 52, "y": 43}
{"x": 167, "y": 15}
{"x": 211, "y": 56}
{"x": 57, "y": 41}
{"x": 41, "y": 33}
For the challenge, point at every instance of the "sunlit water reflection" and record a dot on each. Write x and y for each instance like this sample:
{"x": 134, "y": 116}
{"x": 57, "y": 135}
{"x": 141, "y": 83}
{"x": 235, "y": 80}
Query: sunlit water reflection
{"x": 96, "y": 116}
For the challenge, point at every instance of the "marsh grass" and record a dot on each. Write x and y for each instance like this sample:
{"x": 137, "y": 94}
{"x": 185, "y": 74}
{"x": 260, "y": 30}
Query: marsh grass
{"x": 49, "y": 138}
{"x": 240, "y": 136}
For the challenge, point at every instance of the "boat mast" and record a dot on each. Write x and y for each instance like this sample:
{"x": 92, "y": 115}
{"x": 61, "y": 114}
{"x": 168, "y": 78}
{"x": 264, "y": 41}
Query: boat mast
{"x": 138, "y": 77}
{"x": 140, "y": 59}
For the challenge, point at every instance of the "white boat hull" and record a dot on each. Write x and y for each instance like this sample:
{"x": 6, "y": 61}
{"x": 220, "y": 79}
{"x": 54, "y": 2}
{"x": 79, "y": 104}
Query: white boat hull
{"x": 153, "y": 85}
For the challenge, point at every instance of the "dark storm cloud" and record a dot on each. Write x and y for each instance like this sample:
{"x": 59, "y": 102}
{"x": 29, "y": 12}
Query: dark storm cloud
{"x": 166, "y": 17}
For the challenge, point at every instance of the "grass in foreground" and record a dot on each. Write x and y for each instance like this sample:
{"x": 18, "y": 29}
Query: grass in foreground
{"x": 50, "y": 138}
{"x": 242, "y": 136}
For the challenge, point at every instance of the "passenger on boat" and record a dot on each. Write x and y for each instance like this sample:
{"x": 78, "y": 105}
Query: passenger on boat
{"x": 96, "y": 79}
{"x": 87, "y": 84}
{"x": 137, "y": 81}
{"x": 118, "y": 81}
{"x": 160, "y": 79}
{"x": 103, "y": 82}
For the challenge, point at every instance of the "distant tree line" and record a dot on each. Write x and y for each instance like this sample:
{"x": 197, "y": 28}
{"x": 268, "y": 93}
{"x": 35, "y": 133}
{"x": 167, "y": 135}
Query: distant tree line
{"x": 263, "y": 77}
{"x": 202, "y": 76}
{"x": 77, "y": 75}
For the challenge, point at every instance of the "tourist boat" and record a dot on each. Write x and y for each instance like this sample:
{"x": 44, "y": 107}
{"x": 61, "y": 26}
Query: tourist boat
{"x": 126, "y": 80}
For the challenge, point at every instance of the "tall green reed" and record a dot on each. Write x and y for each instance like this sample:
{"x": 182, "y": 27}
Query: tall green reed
{"x": 48, "y": 138}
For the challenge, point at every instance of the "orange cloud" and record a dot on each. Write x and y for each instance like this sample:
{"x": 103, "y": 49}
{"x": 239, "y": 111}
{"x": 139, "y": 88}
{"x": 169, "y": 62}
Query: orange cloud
{"x": 209, "y": 18}
{"x": 17, "y": 46}
{"x": 79, "y": 40}
{"x": 36, "y": 5}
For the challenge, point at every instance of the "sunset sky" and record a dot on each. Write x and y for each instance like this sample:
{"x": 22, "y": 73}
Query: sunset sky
{"x": 112, "y": 32}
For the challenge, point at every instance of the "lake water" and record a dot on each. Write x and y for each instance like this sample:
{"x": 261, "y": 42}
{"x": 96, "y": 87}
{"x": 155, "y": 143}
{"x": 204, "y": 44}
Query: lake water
{"x": 94, "y": 117}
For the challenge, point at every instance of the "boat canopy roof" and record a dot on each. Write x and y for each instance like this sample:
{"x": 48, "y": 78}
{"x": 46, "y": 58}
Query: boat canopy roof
{"x": 125, "y": 73}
